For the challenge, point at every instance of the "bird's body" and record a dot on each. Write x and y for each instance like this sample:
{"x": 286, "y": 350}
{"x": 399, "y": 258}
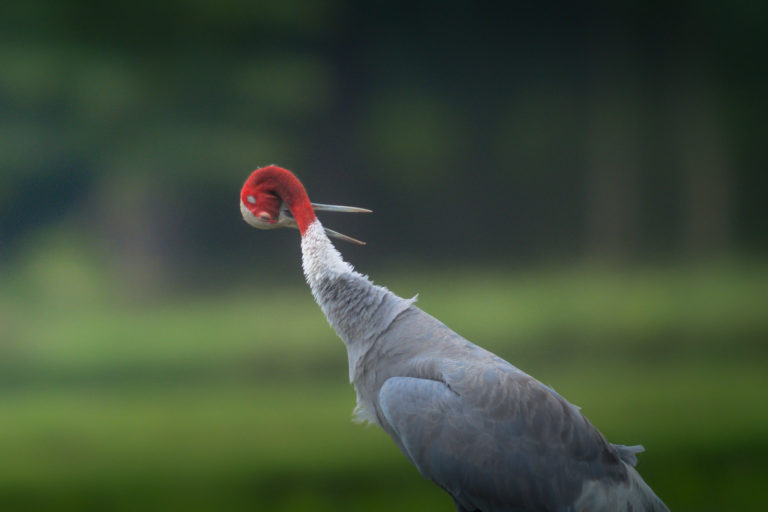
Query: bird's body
{"x": 493, "y": 437}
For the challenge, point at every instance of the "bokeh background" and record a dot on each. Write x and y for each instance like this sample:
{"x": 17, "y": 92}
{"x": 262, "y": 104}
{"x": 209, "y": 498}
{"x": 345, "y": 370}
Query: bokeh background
{"x": 580, "y": 188}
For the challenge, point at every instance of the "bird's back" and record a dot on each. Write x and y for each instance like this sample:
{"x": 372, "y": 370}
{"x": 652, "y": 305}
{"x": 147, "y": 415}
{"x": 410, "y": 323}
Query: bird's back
{"x": 492, "y": 436}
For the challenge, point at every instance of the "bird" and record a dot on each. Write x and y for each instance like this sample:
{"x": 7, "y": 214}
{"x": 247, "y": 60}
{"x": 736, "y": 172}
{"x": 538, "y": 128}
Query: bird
{"x": 491, "y": 436}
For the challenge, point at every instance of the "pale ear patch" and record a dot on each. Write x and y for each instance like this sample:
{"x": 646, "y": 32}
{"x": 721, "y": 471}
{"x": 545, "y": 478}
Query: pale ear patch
{"x": 251, "y": 199}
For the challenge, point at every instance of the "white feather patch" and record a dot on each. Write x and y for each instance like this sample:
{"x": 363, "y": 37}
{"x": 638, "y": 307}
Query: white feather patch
{"x": 358, "y": 310}
{"x": 319, "y": 257}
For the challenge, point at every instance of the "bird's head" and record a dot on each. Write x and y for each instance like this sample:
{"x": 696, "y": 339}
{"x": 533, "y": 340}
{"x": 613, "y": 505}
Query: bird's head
{"x": 272, "y": 197}
{"x": 263, "y": 199}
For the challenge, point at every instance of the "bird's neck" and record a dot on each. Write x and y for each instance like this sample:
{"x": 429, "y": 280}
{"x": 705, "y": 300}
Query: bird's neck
{"x": 320, "y": 259}
{"x": 357, "y": 309}
{"x": 298, "y": 202}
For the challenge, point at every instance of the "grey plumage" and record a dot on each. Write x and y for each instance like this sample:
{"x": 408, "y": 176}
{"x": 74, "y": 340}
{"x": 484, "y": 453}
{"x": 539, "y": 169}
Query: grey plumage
{"x": 493, "y": 437}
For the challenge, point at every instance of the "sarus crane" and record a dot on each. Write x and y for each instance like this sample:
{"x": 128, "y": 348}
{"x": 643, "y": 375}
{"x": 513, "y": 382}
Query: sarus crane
{"x": 490, "y": 435}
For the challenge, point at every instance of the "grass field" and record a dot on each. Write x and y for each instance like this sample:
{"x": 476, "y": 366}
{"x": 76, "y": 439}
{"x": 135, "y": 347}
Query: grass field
{"x": 240, "y": 401}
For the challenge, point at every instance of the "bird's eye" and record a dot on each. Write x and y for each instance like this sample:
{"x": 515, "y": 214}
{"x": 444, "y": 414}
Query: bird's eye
{"x": 251, "y": 199}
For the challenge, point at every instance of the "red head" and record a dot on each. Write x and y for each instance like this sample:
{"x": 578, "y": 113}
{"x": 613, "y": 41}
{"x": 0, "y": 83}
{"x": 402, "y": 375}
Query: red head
{"x": 267, "y": 191}
{"x": 274, "y": 198}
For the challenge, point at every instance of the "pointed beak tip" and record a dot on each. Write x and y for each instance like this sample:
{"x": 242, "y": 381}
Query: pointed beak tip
{"x": 339, "y": 209}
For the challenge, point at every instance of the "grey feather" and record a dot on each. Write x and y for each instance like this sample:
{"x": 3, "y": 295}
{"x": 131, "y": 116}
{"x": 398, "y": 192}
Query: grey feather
{"x": 629, "y": 453}
{"x": 493, "y": 437}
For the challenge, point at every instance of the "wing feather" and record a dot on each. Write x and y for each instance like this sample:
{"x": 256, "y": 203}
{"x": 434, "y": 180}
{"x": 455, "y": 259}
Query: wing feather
{"x": 498, "y": 442}
{"x": 492, "y": 436}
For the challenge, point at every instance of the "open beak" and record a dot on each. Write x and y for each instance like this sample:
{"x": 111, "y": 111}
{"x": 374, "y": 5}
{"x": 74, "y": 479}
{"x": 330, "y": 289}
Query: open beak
{"x": 318, "y": 207}
{"x": 341, "y": 209}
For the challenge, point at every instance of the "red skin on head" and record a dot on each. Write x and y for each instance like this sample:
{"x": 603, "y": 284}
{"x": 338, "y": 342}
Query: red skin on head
{"x": 270, "y": 186}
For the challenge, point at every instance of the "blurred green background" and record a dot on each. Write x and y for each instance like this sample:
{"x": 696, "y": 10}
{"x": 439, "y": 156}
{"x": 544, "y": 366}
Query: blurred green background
{"x": 580, "y": 188}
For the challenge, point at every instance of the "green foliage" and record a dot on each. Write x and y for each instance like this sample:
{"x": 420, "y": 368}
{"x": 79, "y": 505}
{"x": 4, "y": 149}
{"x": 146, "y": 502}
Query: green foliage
{"x": 240, "y": 401}
{"x": 513, "y": 134}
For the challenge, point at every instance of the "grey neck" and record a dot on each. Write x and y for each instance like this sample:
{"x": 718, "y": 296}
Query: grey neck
{"x": 358, "y": 310}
